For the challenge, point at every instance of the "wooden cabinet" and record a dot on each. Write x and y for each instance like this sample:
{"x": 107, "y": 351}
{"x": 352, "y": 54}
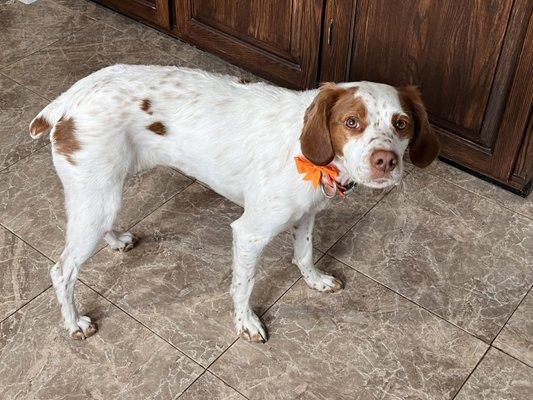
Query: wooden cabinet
{"x": 155, "y": 12}
{"x": 278, "y": 39}
{"x": 472, "y": 59}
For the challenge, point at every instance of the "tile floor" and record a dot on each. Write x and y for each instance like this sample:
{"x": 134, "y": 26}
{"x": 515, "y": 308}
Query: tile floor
{"x": 437, "y": 305}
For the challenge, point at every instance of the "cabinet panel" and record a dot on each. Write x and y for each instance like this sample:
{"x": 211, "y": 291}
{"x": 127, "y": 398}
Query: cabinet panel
{"x": 278, "y": 39}
{"x": 450, "y": 48}
{"x": 264, "y": 24}
{"x": 153, "y": 11}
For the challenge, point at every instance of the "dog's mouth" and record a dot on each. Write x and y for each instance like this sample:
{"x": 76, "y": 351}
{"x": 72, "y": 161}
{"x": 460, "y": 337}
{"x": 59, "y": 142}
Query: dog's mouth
{"x": 390, "y": 180}
{"x": 381, "y": 183}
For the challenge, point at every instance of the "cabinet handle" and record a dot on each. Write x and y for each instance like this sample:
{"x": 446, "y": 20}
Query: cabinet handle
{"x": 330, "y": 32}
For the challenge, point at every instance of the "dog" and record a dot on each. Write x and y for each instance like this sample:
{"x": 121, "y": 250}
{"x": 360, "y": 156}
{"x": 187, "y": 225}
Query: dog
{"x": 279, "y": 153}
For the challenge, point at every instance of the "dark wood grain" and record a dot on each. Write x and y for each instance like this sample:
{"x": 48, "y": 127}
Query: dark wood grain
{"x": 278, "y": 39}
{"x": 156, "y": 12}
{"x": 515, "y": 128}
{"x": 449, "y": 48}
{"x": 336, "y": 47}
{"x": 473, "y": 62}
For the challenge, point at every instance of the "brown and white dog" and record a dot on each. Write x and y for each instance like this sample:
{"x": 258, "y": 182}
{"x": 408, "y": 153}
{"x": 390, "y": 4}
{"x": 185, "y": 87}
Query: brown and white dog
{"x": 240, "y": 139}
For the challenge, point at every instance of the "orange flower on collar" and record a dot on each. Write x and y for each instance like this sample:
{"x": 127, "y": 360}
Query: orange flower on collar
{"x": 313, "y": 173}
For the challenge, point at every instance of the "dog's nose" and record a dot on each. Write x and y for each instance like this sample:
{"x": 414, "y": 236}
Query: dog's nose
{"x": 382, "y": 162}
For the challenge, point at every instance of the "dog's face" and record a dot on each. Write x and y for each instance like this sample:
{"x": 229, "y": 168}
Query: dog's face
{"x": 365, "y": 128}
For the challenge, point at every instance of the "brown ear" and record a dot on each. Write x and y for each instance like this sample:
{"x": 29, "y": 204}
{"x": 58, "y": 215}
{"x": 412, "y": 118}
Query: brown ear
{"x": 424, "y": 146}
{"x": 315, "y": 139}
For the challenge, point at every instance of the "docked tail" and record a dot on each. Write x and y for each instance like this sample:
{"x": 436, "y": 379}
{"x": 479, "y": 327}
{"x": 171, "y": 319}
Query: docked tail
{"x": 46, "y": 119}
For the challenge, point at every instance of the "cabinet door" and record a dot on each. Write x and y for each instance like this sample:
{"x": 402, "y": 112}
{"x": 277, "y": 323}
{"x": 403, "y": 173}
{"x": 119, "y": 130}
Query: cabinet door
{"x": 462, "y": 54}
{"x": 278, "y": 39}
{"x": 153, "y": 11}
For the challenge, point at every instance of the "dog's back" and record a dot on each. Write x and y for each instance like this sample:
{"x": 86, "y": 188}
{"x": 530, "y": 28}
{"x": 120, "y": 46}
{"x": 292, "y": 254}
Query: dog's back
{"x": 216, "y": 128}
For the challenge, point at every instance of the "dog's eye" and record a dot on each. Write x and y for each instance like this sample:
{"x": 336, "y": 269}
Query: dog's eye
{"x": 352, "y": 123}
{"x": 400, "y": 124}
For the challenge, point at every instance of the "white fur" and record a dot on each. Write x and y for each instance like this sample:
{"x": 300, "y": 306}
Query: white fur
{"x": 238, "y": 138}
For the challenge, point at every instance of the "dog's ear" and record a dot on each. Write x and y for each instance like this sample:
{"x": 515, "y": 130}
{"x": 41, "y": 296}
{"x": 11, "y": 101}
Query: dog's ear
{"x": 315, "y": 139}
{"x": 424, "y": 146}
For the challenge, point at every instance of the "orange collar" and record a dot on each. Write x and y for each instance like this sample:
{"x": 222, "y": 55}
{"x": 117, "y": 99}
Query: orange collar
{"x": 327, "y": 175}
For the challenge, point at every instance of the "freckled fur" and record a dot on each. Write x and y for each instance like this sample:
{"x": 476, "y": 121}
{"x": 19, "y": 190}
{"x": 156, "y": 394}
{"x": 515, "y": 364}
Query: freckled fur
{"x": 146, "y": 106}
{"x": 220, "y": 134}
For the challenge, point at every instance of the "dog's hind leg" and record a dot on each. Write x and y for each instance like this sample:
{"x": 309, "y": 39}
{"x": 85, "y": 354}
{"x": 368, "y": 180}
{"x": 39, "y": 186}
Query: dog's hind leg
{"x": 120, "y": 241}
{"x": 91, "y": 212}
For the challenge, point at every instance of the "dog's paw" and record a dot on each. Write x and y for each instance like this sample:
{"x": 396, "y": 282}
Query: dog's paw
{"x": 324, "y": 282}
{"x": 86, "y": 328}
{"x": 251, "y": 328}
{"x": 121, "y": 241}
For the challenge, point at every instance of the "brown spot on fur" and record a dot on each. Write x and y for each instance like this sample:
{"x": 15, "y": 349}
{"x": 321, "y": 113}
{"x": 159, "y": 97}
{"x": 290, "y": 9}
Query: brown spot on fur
{"x": 146, "y": 106}
{"x": 244, "y": 80}
{"x": 39, "y": 126}
{"x": 65, "y": 142}
{"x": 158, "y": 128}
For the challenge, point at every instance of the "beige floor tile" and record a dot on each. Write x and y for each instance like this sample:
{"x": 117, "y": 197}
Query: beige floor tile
{"x": 123, "y": 361}
{"x": 210, "y": 387}
{"x": 55, "y": 68}
{"x": 23, "y": 273}
{"x": 516, "y": 338}
{"x": 33, "y": 200}
{"x": 28, "y": 28}
{"x": 176, "y": 281}
{"x": 496, "y": 194}
{"x": 364, "y": 342}
{"x": 453, "y": 252}
{"x": 18, "y": 106}
{"x": 499, "y": 377}
{"x": 137, "y": 29}
{"x": 336, "y": 220}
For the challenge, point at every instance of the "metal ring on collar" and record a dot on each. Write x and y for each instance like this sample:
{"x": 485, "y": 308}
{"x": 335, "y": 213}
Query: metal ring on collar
{"x": 324, "y": 192}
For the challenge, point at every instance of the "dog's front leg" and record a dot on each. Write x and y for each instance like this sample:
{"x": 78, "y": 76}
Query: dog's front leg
{"x": 303, "y": 258}
{"x": 248, "y": 243}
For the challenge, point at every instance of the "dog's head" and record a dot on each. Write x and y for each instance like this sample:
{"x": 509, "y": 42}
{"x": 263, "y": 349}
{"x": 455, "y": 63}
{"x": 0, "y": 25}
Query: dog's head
{"x": 364, "y": 128}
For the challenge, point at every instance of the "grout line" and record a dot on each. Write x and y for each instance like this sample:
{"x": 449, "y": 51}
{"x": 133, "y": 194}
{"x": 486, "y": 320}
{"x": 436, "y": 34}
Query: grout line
{"x": 225, "y": 383}
{"x": 30, "y": 245}
{"x": 470, "y": 374}
{"x": 46, "y": 143}
{"x": 134, "y": 224}
{"x": 399, "y": 294}
{"x": 410, "y": 300}
{"x": 91, "y": 23}
{"x": 165, "y": 201}
{"x": 139, "y": 322}
{"x": 192, "y": 383}
{"x": 505, "y": 324}
{"x": 216, "y": 376}
{"x": 489, "y": 199}
{"x": 510, "y": 316}
{"x": 513, "y": 357}
{"x": 262, "y": 314}
{"x": 361, "y": 218}
{"x": 27, "y": 303}
{"x": 24, "y": 86}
